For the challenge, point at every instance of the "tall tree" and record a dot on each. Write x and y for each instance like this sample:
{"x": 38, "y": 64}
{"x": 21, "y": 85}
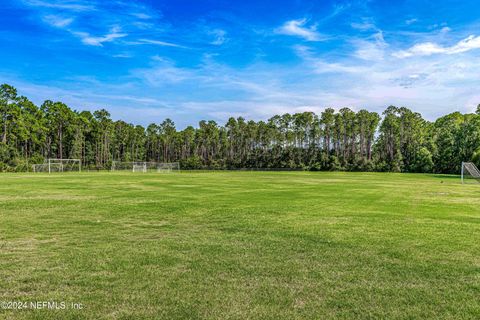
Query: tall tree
{"x": 8, "y": 108}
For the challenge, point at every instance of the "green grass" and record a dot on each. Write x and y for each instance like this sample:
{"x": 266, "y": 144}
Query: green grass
{"x": 241, "y": 245}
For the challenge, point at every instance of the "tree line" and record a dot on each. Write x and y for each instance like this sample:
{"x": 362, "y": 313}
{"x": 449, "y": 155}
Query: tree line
{"x": 399, "y": 140}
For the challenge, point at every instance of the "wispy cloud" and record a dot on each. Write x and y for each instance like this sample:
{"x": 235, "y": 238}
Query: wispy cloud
{"x": 220, "y": 36}
{"x": 372, "y": 49}
{"x": 88, "y": 19}
{"x": 57, "y": 21}
{"x": 411, "y": 21}
{"x": 321, "y": 66}
{"x": 363, "y": 26}
{"x": 337, "y": 10}
{"x": 445, "y": 30}
{"x": 410, "y": 80}
{"x": 62, "y": 4}
{"x": 88, "y": 39}
{"x": 299, "y": 28}
{"x": 142, "y": 15}
{"x": 163, "y": 72}
{"x": 123, "y": 55}
{"x": 156, "y": 42}
{"x": 429, "y": 48}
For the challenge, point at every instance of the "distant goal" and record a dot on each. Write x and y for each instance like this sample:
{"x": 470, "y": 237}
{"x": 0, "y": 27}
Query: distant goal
{"x": 161, "y": 167}
{"x": 470, "y": 172}
{"x": 168, "y": 167}
{"x": 58, "y": 165}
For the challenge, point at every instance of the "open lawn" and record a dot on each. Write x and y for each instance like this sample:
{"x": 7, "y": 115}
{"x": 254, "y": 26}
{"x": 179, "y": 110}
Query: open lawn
{"x": 240, "y": 245}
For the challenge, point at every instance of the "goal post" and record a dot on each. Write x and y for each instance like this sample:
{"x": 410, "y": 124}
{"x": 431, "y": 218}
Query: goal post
{"x": 58, "y": 165}
{"x": 129, "y": 166}
{"x": 469, "y": 172}
{"x": 139, "y": 167}
{"x": 122, "y": 165}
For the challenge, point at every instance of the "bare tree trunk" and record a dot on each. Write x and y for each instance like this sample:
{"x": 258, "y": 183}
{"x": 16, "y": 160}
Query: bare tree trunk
{"x": 4, "y": 137}
{"x": 60, "y": 144}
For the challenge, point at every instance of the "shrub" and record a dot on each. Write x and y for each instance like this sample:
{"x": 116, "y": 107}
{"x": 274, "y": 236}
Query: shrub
{"x": 424, "y": 161}
{"x": 193, "y": 162}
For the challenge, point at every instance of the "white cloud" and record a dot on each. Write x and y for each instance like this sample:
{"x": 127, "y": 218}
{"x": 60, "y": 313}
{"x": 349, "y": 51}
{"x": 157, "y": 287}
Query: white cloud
{"x": 337, "y": 9}
{"x": 445, "y": 30}
{"x": 141, "y": 15}
{"x": 93, "y": 17}
{"x": 320, "y": 66}
{"x": 219, "y": 36}
{"x": 157, "y": 42}
{"x": 57, "y": 21}
{"x": 363, "y": 26}
{"x": 429, "y": 48}
{"x": 298, "y": 28}
{"x": 163, "y": 72}
{"x": 410, "y": 80}
{"x": 411, "y": 21}
{"x": 366, "y": 24}
{"x": 123, "y": 55}
{"x": 372, "y": 49}
{"x": 98, "y": 41}
{"x": 62, "y": 5}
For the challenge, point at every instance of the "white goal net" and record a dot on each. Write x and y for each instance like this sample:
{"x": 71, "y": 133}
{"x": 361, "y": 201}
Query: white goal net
{"x": 58, "y": 165}
{"x": 145, "y": 166}
{"x": 470, "y": 172}
{"x": 139, "y": 167}
{"x": 168, "y": 167}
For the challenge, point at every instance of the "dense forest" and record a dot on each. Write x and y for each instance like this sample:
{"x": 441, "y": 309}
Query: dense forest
{"x": 399, "y": 140}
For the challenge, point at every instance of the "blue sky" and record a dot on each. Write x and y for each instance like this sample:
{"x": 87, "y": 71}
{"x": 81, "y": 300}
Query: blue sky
{"x": 199, "y": 59}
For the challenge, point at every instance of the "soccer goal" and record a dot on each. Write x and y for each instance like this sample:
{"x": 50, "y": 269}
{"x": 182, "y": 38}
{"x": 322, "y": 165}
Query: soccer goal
{"x": 139, "y": 167}
{"x": 58, "y": 165}
{"x": 121, "y": 165}
{"x": 470, "y": 172}
{"x": 129, "y": 166}
{"x": 145, "y": 166}
{"x": 168, "y": 167}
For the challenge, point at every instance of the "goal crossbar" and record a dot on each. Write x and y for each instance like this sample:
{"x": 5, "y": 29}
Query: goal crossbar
{"x": 58, "y": 165}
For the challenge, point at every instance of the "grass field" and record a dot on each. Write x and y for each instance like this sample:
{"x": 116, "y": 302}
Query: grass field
{"x": 240, "y": 245}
